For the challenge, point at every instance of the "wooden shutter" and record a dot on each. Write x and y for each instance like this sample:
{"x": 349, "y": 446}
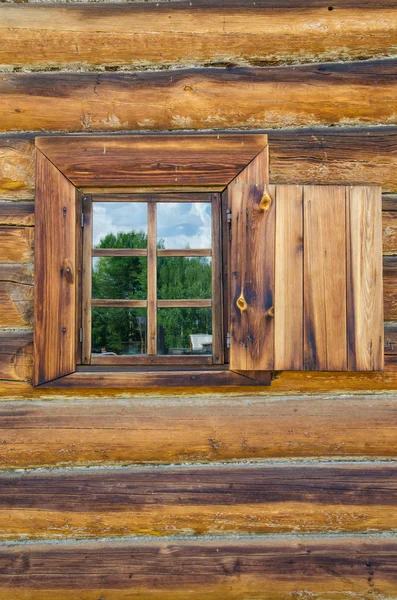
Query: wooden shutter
{"x": 55, "y": 273}
{"x": 306, "y": 278}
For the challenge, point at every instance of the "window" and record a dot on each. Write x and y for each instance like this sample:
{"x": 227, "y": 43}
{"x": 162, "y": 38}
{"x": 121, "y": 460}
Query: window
{"x": 171, "y": 261}
{"x": 152, "y": 275}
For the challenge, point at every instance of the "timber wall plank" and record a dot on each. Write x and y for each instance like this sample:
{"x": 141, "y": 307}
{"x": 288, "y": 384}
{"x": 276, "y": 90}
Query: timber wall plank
{"x": 115, "y": 430}
{"x": 325, "y": 94}
{"x": 165, "y": 34}
{"x": 242, "y": 499}
{"x": 276, "y": 568}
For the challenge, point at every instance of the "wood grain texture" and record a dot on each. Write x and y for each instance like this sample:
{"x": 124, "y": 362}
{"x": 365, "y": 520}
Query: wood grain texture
{"x": 288, "y": 284}
{"x": 197, "y": 500}
{"x": 16, "y": 296}
{"x": 324, "y": 252}
{"x": 16, "y": 244}
{"x": 16, "y": 360}
{"x": 112, "y": 429}
{"x": 183, "y": 33}
{"x": 325, "y": 156}
{"x": 252, "y": 277}
{"x": 145, "y": 380}
{"x": 17, "y": 213}
{"x": 364, "y": 274}
{"x": 152, "y": 160}
{"x": 278, "y": 568}
{"x": 315, "y": 156}
{"x": 389, "y": 287}
{"x": 314, "y": 95}
{"x": 55, "y": 273}
{"x": 17, "y": 167}
{"x": 390, "y": 338}
{"x": 389, "y": 229}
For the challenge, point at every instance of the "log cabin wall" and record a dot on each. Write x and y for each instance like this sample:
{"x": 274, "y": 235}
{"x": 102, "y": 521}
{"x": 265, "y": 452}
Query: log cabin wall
{"x": 285, "y": 493}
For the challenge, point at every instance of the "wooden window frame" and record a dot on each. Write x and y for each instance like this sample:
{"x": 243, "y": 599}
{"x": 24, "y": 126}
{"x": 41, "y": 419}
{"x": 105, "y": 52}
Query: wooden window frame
{"x": 70, "y": 168}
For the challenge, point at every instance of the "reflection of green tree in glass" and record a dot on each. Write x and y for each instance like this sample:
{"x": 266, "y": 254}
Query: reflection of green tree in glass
{"x": 121, "y": 330}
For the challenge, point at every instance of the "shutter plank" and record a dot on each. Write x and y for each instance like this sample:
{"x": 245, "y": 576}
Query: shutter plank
{"x": 325, "y": 336}
{"x": 288, "y": 304}
{"x": 55, "y": 311}
{"x": 364, "y": 290}
{"x": 252, "y": 278}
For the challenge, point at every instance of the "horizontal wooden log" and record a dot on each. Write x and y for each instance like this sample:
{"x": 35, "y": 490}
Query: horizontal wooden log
{"x": 17, "y": 213}
{"x": 389, "y": 287}
{"x": 204, "y": 32}
{"x": 16, "y": 295}
{"x": 390, "y": 338}
{"x": 115, "y": 430}
{"x": 356, "y": 93}
{"x": 389, "y": 226}
{"x": 16, "y": 244}
{"x": 389, "y": 202}
{"x": 277, "y": 568}
{"x": 273, "y": 498}
{"x": 327, "y": 156}
{"x": 16, "y": 360}
{"x": 315, "y": 156}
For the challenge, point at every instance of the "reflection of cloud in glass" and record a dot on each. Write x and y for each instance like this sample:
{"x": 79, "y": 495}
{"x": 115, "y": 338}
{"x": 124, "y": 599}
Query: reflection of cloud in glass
{"x": 118, "y": 217}
{"x": 182, "y": 225}
{"x": 179, "y": 224}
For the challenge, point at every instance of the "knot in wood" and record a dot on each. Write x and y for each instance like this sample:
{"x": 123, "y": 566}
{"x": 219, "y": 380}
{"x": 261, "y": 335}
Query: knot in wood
{"x": 241, "y": 303}
{"x": 265, "y": 202}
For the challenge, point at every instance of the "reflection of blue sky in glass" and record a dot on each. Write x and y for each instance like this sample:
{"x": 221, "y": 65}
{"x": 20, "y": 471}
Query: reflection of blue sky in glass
{"x": 118, "y": 217}
{"x": 182, "y": 225}
{"x": 179, "y": 224}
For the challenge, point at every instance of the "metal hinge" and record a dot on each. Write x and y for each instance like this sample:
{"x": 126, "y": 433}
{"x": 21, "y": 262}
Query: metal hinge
{"x": 228, "y": 340}
{"x": 229, "y": 215}
{"x": 82, "y": 219}
{"x": 81, "y": 335}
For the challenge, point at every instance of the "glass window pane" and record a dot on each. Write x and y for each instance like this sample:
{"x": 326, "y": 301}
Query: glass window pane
{"x": 184, "y": 331}
{"x": 119, "y": 277}
{"x": 183, "y": 225}
{"x": 119, "y": 331}
{"x": 181, "y": 277}
{"x": 119, "y": 224}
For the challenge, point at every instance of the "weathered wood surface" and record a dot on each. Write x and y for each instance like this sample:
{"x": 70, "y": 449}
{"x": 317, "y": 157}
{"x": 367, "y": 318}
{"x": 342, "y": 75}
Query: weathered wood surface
{"x": 55, "y": 273}
{"x": 252, "y": 277}
{"x": 155, "y": 160}
{"x": 16, "y": 349}
{"x": 324, "y": 281}
{"x": 325, "y": 94}
{"x": 288, "y": 283}
{"x": 16, "y": 244}
{"x": 17, "y": 213}
{"x": 365, "y": 286}
{"x": 16, "y": 295}
{"x": 315, "y": 156}
{"x": 389, "y": 287}
{"x": 106, "y": 430}
{"x": 390, "y": 338}
{"x": 16, "y": 167}
{"x": 244, "y": 499}
{"x": 185, "y": 33}
{"x": 278, "y": 568}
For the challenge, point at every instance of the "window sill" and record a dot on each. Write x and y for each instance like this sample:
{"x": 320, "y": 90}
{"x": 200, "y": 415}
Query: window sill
{"x": 154, "y": 379}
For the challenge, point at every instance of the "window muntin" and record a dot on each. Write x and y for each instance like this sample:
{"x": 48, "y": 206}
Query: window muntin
{"x": 153, "y": 283}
